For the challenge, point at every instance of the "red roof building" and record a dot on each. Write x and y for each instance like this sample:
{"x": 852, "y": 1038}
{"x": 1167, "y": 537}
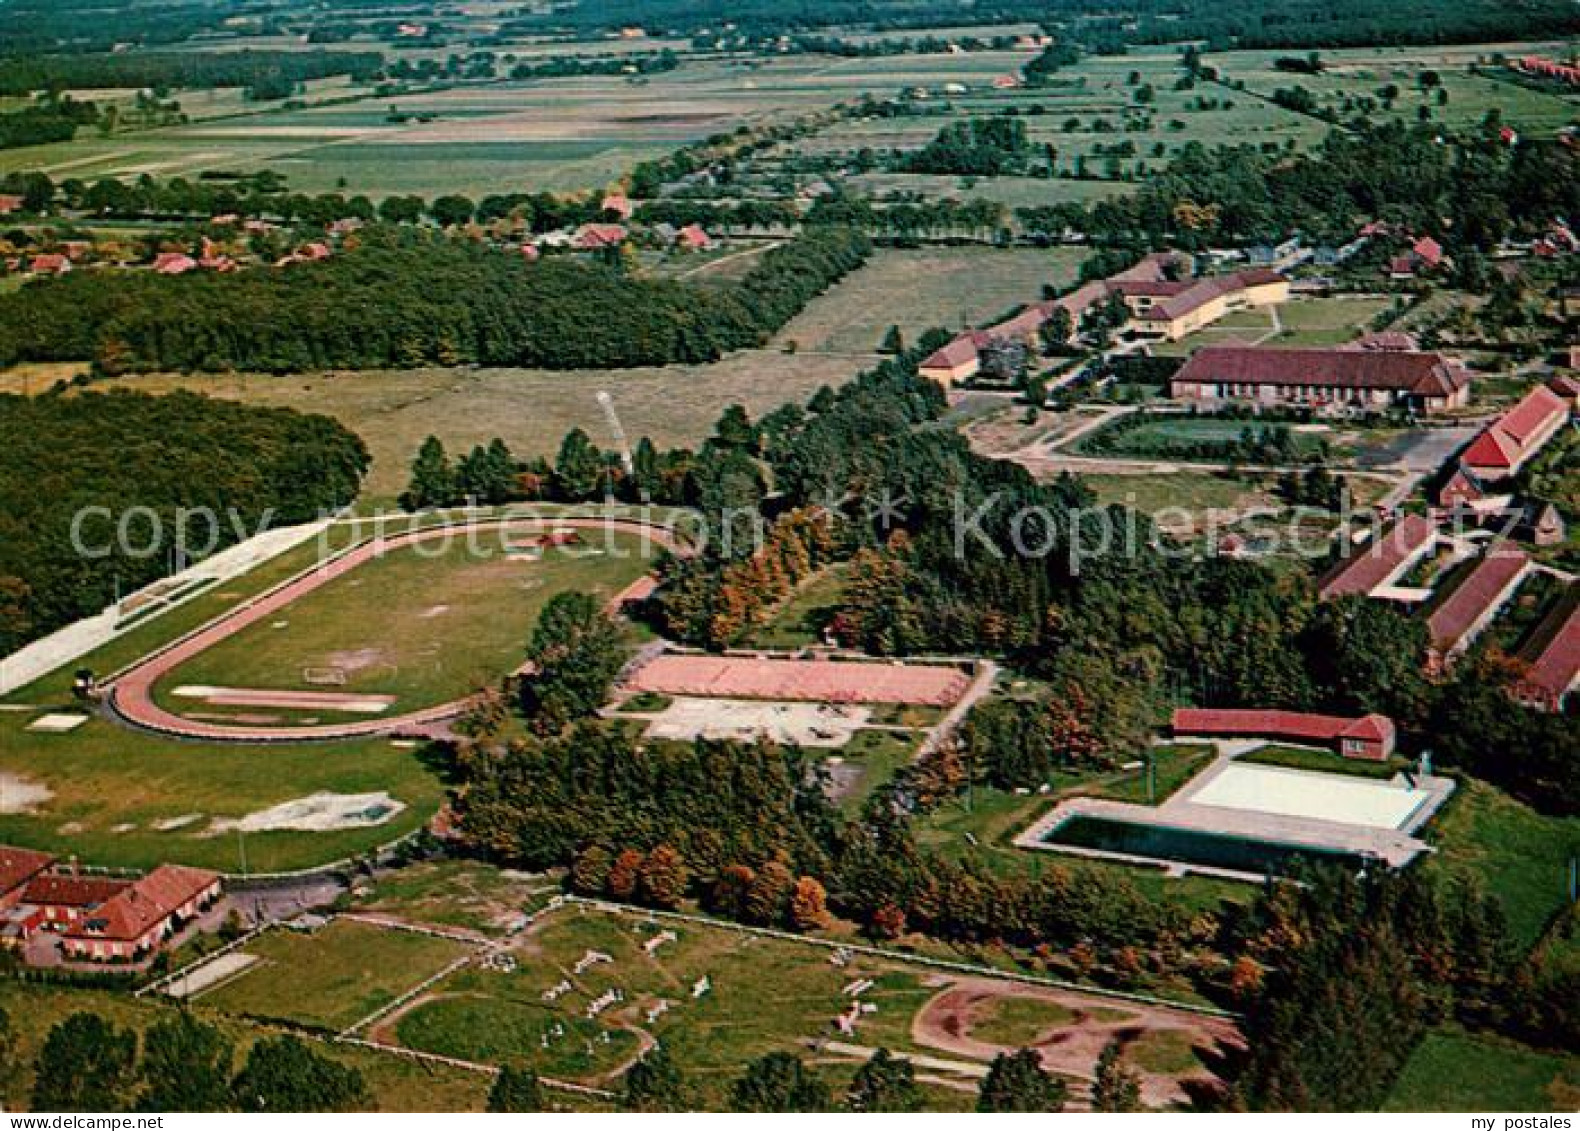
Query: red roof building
{"x": 958, "y": 361}
{"x": 18, "y": 866}
{"x": 693, "y": 238}
{"x": 1568, "y": 388}
{"x": 1331, "y": 379}
{"x": 595, "y": 237}
{"x": 1548, "y": 69}
{"x": 174, "y": 263}
{"x": 1507, "y": 444}
{"x": 1554, "y": 656}
{"x": 1380, "y": 561}
{"x": 9, "y": 203}
{"x": 64, "y": 897}
{"x": 139, "y": 918}
{"x": 1470, "y": 601}
{"x": 50, "y": 264}
{"x": 617, "y": 204}
{"x": 1371, "y": 737}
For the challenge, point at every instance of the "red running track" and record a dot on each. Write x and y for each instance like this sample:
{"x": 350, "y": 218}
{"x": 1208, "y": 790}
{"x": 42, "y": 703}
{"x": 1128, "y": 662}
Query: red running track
{"x": 130, "y": 695}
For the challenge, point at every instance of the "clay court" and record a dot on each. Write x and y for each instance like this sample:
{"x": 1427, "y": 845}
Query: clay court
{"x": 801, "y": 724}
{"x": 801, "y": 681}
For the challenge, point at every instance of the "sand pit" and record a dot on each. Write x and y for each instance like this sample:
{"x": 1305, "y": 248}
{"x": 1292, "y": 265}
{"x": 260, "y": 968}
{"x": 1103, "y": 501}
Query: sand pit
{"x": 825, "y": 681}
{"x": 19, "y": 794}
{"x": 288, "y": 700}
{"x": 210, "y": 974}
{"x": 318, "y": 813}
{"x": 804, "y": 724}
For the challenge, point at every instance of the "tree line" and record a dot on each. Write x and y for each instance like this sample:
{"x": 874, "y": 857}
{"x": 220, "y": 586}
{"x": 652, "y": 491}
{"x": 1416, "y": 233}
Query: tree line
{"x": 166, "y": 70}
{"x": 61, "y": 456}
{"x": 403, "y": 300}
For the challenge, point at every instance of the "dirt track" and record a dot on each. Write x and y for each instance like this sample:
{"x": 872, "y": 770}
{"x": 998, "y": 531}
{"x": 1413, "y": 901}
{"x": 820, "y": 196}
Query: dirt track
{"x": 1070, "y": 1048}
{"x": 131, "y": 696}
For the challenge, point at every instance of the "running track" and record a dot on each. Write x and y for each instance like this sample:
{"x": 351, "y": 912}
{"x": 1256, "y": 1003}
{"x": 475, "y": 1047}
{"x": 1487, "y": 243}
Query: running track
{"x": 130, "y": 696}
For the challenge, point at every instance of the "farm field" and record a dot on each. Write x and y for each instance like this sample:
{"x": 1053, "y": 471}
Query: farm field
{"x": 918, "y": 290}
{"x": 333, "y": 977}
{"x": 419, "y": 626}
{"x": 1360, "y": 72}
{"x": 533, "y": 409}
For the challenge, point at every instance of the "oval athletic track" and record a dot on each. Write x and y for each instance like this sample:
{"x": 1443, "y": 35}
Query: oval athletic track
{"x": 130, "y": 694}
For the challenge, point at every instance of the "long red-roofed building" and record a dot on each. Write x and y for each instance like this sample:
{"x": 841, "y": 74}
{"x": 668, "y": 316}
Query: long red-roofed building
{"x": 1380, "y": 561}
{"x": 1323, "y": 379}
{"x": 1554, "y": 656}
{"x": 1371, "y": 737}
{"x": 1505, "y": 446}
{"x": 136, "y": 920}
{"x": 1458, "y": 614}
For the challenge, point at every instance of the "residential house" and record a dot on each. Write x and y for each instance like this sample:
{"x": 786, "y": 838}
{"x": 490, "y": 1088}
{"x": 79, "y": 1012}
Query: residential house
{"x": 50, "y": 264}
{"x": 174, "y": 263}
{"x": 693, "y": 238}
{"x": 1324, "y": 379}
{"x": 1370, "y": 737}
{"x": 137, "y": 920}
{"x": 1425, "y": 254}
{"x": 597, "y": 237}
{"x": 10, "y": 202}
{"x": 958, "y": 361}
{"x": 617, "y": 204}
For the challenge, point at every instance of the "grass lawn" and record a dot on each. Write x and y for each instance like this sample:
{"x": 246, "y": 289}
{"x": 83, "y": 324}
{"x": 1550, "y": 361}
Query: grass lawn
{"x": 1454, "y": 1071}
{"x": 1321, "y": 761}
{"x": 394, "y": 1083}
{"x": 1177, "y": 437}
{"x": 1517, "y": 854}
{"x": 112, "y": 788}
{"x": 877, "y": 754}
{"x": 457, "y": 893}
{"x": 422, "y": 626}
{"x": 1173, "y": 767}
{"x": 334, "y": 977}
{"x": 1327, "y": 321}
{"x": 1187, "y": 490}
{"x": 801, "y": 620}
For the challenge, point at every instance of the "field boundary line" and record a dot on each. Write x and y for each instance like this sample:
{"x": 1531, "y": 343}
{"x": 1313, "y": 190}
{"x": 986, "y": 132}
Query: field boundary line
{"x": 235, "y": 944}
{"x": 471, "y": 1066}
{"x": 610, "y": 907}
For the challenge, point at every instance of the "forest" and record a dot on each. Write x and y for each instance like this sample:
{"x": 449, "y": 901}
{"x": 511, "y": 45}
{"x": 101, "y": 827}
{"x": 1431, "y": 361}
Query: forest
{"x": 123, "y": 451}
{"x": 23, "y": 74}
{"x": 407, "y": 298}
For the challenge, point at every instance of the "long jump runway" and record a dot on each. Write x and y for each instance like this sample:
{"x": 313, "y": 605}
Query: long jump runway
{"x": 130, "y": 696}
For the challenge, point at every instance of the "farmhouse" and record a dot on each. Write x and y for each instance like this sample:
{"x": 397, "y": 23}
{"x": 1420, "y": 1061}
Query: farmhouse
{"x": 1460, "y": 612}
{"x": 1370, "y": 737}
{"x": 139, "y": 918}
{"x": 1425, "y": 254}
{"x": 63, "y": 897}
{"x": 958, "y": 361}
{"x": 617, "y": 204}
{"x": 50, "y": 264}
{"x": 1381, "y": 561}
{"x": 1326, "y": 379}
{"x": 18, "y": 866}
{"x": 174, "y": 263}
{"x": 1554, "y": 656}
{"x": 1507, "y": 445}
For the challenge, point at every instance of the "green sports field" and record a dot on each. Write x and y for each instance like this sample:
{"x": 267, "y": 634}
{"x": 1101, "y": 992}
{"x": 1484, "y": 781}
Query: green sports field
{"x": 422, "y": 626}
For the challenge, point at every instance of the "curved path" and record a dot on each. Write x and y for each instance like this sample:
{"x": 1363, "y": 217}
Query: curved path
{"x": 130, "y": 698}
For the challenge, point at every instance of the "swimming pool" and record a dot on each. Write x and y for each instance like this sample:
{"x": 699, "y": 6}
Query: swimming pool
{"x": 1189, "y": 846}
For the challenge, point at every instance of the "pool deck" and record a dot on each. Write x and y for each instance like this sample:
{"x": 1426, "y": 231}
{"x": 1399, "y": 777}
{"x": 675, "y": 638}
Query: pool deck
{"x": 1395, "y": 847}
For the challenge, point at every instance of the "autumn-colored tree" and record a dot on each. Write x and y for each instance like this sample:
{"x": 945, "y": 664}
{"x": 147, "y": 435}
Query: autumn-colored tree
{"x": 769, "y": 892}
{"x": 663, "y": 878}
{"x": 808, "y": 905}
{"x": 728, "y": 896}
{"x": 624, "y": 874}
{"x": 1245, "y": 978}
{"x": 888, "y": 921}
{"x": 590, "y": 870}
{"x": 1070, "y": 729}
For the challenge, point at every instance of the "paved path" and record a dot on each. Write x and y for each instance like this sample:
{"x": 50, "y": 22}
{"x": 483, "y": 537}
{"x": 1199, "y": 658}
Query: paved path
{"x": 130, "y": 696}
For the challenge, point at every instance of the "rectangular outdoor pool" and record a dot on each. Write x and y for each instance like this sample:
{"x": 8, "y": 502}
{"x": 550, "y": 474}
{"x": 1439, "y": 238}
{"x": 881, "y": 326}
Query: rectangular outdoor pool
{"x": 1189, "y": 846}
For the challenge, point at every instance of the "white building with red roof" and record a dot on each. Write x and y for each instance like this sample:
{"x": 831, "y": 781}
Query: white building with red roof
{"x": 1333, "y": 380}
{"x": 174, "y": 263}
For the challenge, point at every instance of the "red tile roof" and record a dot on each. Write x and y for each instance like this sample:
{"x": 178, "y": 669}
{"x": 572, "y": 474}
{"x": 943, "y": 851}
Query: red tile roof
{"x": 1429, "y": 250}
{"x": 136, "y": 910}
{"x": 1514, "y": 437}
{"x": 174, "y": 263}
{"x": 1374, "y": 563}
{"x": 592, "y": 236}
{"x": 19, "y": 865}
{"x": 1555, "y": 656}
{"x": 1282, "y": 724}
{"x": 1477, "y": 591}
{"x": 957, "y": 353}
{"x": 1423, "y": 374}
{"x": 64, "y": 889}
{"x": 10, "y": 202}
